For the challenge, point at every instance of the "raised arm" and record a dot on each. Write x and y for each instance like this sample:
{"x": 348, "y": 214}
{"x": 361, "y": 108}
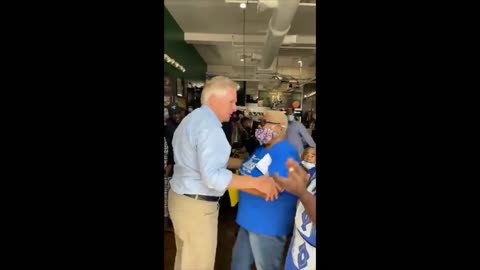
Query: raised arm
{"x": 296, "y": 183}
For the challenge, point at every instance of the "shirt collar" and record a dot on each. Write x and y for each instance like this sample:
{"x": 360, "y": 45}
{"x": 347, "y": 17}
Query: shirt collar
{"x": 211, "y": 114}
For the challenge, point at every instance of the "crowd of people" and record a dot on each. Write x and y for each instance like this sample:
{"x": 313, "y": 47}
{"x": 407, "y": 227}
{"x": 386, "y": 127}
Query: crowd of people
{"x": 276, "y": 181}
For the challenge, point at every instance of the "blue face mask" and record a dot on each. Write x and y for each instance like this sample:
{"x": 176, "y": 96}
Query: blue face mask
{"x": 290, "y": 118}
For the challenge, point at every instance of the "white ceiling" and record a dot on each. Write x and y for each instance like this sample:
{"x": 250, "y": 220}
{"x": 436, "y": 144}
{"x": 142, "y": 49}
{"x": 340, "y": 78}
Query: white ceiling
{"x": 215, "y": 28}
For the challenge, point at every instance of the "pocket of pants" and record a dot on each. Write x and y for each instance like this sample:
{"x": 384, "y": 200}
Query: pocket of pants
{"x": 210, "y": 211}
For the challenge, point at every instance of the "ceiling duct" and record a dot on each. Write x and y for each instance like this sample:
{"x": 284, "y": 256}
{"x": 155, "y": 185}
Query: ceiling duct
{"x": 278, "y": 27}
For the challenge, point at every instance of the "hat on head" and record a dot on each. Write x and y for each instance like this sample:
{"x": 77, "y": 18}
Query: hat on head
{"x": 276, "y": 117}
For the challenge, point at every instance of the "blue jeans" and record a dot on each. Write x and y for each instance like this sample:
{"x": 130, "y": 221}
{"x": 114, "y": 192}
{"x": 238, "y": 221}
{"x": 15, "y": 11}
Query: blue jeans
{"x": 265, "y": 250}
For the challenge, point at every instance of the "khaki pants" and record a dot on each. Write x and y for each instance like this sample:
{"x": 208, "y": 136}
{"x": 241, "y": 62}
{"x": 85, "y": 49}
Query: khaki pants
{"x": 195, "y": 224}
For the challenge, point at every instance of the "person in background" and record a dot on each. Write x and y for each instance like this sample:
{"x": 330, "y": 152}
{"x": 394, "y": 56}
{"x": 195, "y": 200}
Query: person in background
{"x": 189, "y": 110}
{"x": 313, "y": 120}
{"x": 239, "y": 134}
{"x": 174, "y": 121}
{"x": 302, "y": 251}
{"x": 313, "y": 126}
{"x": 240, "y": 115}
{"x": 166, "y": 131}
{"x": 297, "y": 134}
{"x": 167, "y": 168}
{"x": 228, "y": 128}
{"x": 201, "y": 177}
{"x": 264, "y": 226}
{"x": 250, "y": 142}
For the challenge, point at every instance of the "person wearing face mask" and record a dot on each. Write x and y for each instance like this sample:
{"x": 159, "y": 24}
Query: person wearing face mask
{"x": 264, "y": 226}
{"x": 309, "y": 157}
{"x": 297, "y": 134}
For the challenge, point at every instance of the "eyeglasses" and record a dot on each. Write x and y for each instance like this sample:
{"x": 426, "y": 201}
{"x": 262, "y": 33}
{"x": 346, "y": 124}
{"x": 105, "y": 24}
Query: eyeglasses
{"x": 263, "y": 122}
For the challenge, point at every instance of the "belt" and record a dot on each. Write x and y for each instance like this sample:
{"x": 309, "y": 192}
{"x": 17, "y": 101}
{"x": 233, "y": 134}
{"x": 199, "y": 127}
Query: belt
{"x": 203, "y": 197}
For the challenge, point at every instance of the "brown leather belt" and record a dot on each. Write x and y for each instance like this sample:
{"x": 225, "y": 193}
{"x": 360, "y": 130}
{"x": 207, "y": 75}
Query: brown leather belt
{"x": 203, "y": 197}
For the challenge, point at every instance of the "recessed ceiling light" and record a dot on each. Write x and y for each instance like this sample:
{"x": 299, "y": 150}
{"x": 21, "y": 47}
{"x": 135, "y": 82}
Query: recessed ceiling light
{"x": 243, "y": 5}
{"x": 241, "y": 59}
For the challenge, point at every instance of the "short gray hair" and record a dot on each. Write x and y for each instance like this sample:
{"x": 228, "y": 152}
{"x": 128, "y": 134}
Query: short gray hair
{"x": 218, "y": 85}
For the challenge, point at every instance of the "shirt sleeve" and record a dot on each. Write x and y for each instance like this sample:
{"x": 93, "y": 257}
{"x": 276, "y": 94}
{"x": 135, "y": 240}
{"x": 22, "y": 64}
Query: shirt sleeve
{"x": 213, "y": 152}
{"x": 308, "y": 139}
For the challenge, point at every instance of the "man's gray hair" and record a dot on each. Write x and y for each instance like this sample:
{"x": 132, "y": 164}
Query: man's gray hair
{"x": 219, "y": 86}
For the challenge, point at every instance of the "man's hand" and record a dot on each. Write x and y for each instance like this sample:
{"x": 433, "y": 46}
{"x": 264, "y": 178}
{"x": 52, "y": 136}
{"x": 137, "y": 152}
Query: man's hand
{"x": 267, "y": 186}
{"x": 297, "y": 180}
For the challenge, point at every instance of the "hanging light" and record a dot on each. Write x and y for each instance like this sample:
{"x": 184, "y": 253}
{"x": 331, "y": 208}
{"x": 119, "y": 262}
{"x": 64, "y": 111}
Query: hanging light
{"x": 172, "y": 62}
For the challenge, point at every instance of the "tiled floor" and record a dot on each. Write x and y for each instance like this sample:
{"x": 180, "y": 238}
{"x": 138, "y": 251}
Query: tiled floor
{"x": 227, "y": 229}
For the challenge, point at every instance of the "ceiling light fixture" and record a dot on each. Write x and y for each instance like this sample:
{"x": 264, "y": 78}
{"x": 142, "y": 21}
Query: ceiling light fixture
{"x": 172, "y": 62}
{"x": 243, "y": 5}
{"x": 241, "y": 59}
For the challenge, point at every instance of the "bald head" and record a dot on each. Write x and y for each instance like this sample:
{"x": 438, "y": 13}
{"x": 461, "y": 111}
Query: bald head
{"x": 276, "y": 117}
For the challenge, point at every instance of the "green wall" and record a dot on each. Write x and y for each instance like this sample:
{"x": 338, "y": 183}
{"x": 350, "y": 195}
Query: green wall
{"x": 185, "y": 54}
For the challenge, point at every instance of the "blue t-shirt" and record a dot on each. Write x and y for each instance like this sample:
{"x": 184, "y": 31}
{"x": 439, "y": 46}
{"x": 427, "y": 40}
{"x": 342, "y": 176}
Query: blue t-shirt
{"x": 301, "y": 253}
{"x": 254, "y": 213}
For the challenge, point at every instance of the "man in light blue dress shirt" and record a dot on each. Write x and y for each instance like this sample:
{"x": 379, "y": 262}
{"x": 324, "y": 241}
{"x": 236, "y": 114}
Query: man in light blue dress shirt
{"x": 201, "y": 153}
{"x": 297, "y": 134}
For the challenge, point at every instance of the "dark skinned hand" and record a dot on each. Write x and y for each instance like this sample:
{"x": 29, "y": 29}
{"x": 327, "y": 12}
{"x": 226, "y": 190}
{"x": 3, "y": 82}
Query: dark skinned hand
{"x": 297, "y": 180}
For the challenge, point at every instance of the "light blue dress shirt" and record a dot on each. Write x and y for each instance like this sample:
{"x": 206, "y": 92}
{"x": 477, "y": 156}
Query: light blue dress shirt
{"x": 297, "y": 135}
{"x": 201, "y": 152}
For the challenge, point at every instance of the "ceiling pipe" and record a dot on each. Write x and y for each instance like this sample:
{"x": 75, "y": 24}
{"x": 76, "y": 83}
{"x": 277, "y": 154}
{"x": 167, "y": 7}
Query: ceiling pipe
{"x": 255, "y": 1}
{"x": 282, "y": 47}
{"x": 278, "y": 27}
